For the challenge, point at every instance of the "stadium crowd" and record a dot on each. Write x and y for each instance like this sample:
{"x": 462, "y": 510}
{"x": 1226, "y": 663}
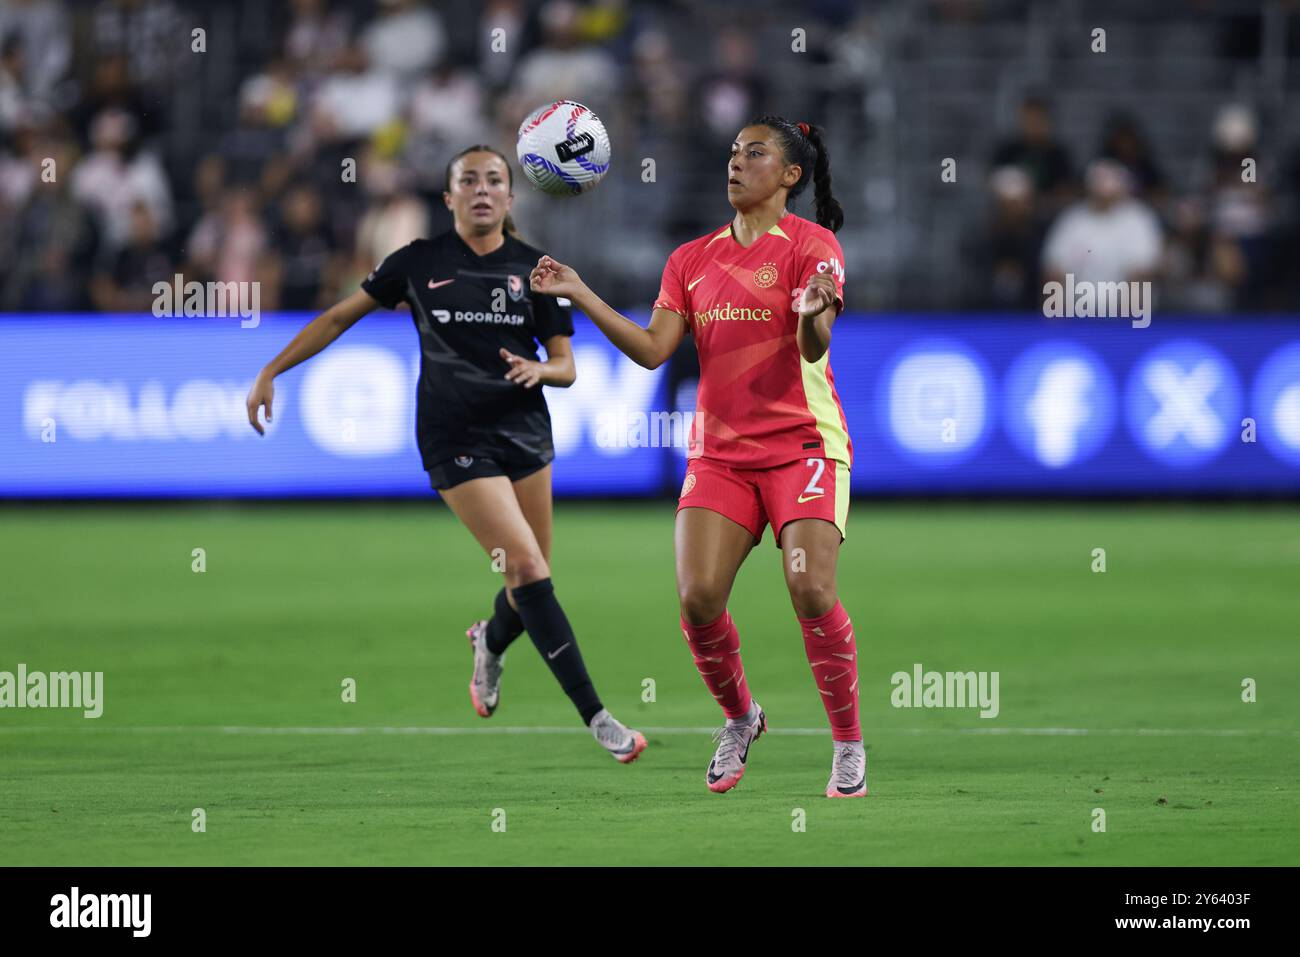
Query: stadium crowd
{"x": 127, "y": 153}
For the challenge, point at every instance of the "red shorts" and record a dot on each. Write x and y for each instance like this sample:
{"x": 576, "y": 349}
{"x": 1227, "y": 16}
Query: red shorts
{"x": 753, "y": 498}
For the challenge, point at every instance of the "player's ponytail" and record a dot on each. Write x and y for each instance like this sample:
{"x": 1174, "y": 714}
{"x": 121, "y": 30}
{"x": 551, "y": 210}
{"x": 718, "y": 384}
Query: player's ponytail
{"x": 829, "y": 212}
{"x": 802, "y": 143}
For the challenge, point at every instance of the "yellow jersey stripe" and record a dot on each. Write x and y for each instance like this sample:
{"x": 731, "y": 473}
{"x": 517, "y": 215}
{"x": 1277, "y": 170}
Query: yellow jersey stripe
{"x": 842, "y": 498}
{"x": 821, "y": 403}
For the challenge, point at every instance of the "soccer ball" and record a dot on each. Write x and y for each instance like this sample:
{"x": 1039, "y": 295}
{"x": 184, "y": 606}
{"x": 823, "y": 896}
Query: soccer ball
{"x": 563, "y": 148}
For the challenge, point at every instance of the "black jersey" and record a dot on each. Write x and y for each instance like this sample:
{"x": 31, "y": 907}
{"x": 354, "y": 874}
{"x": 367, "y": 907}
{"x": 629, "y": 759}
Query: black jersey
{"x": 466, "y": 308}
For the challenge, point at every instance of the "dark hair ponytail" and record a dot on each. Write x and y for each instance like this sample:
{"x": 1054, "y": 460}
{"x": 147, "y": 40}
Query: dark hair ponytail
{"x": 802, "y": 143}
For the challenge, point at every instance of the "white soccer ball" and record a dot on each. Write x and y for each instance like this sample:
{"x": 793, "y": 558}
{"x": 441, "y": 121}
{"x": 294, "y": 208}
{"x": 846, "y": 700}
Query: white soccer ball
{"x": 563, "y": 148}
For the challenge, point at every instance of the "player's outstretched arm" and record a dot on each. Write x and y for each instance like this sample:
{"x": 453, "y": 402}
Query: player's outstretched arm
{"x": 649, "y": 347}
{"x": 311, "y": 339}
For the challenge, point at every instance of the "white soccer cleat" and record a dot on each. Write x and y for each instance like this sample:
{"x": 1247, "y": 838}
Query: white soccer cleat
{"x": 848, "y": 771}
{"x": 485, "y": 684}
{"x": 620, "y": 741}
{"x": 728, "y": 764}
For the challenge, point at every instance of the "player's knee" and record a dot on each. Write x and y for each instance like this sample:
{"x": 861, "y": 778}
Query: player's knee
{"x": 701, "y": 603}
{"x": 525, "y": 567}
{"x": 811, "y": 597}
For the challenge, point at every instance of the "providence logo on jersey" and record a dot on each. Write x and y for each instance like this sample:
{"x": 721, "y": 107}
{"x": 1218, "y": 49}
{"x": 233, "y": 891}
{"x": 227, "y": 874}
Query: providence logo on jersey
{"x": 728, "y": 312}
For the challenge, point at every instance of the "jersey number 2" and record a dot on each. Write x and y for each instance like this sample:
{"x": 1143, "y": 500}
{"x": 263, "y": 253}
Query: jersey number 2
{"x": 819, "y": 466}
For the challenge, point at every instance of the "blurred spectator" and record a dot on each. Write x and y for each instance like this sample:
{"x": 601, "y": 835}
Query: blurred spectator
{"x": 316, "y": 37}
{"x": 125, "y": 282}
{"x": 356, "y": 101}
{"x": 394, "y": 218}
{"x": 111, "y": 87}
{"x": 1239, "y": 206}
{"x": 1203, "y": 268}
{"x": 54, "y": 242}
{"x": 298, "y": 277}
{"x": 228, "y": 244}
{"x": 658, "y": 89}
{"x": 15, "y": 105}
{"x": 269, "y": 98}
{"x": 723, "y": 99}
{"x": 20, "y": 166}
{"x": 1124, "y": 142}
{"x": 561, "y": 68}
{"x": 150, "y": 34}
{"x": 501, "y": 18}
{"x": 406, "y": 38}
{"x": 602, "y": 21}
{"x": 42, "y": 29}
{"x": 445, "y": 114}
{"x": 1036, "y": 149}
{"x": 1006, "y": 255}
{"x": 1109, "y": 236}
{"x": 117, "y": 176}
{"x": 733, "y": 89}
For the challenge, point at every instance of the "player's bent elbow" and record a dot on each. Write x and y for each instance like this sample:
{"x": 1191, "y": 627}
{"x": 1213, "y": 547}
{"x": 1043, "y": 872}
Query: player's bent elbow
{"x": 654, "y": 355}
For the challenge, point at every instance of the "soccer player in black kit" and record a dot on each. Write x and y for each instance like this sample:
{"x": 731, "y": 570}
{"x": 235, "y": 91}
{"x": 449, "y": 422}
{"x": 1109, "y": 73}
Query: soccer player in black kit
{"x": 482, "y": 424}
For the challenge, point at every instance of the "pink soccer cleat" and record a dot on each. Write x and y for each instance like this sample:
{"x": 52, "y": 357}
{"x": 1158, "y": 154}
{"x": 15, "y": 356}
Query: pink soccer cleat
{"x": 728, "y": 764}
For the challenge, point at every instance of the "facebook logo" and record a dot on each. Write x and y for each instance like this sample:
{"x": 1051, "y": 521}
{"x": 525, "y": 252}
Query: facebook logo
{"x": 1275, "y": 403}
{"x": 1059, "y": 404}
{"x": 1183, "y": 403}
{"x": 935, "y": 403}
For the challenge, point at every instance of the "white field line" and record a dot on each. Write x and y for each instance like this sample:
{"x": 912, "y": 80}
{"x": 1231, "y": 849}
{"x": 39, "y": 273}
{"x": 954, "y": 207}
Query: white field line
{"x": 567, "y": 729}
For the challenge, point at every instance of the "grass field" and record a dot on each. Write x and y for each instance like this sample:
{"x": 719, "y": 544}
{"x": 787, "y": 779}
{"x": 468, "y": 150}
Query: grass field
{"x": 1119, "y": 691}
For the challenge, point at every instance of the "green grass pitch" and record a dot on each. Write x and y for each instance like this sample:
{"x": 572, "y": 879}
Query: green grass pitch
{"x": 1120, "y": 691}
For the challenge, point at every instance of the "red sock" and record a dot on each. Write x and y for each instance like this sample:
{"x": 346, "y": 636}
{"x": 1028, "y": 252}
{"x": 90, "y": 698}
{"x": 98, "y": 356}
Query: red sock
{"x": 833, "y": 655}
{"x": 716, "y": 647}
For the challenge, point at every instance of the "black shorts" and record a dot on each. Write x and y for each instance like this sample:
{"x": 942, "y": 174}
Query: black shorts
{"x": 452, "y": 472}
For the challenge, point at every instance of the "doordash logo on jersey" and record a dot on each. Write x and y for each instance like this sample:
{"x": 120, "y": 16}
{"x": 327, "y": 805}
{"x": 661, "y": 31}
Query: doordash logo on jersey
{"x": 445, "y": 316}
{"x": 729, "y": 313}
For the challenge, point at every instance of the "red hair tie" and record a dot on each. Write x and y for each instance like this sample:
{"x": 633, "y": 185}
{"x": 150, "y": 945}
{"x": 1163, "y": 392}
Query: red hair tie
{"x": 803, "y": 128}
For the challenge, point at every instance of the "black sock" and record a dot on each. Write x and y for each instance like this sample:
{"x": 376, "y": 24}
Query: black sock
{"x": 504, "y": 626}
{"x": 549, "y": 628}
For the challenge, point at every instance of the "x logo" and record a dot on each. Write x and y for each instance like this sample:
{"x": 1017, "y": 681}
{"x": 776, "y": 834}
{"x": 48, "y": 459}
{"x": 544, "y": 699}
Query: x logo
{"x": 1182, "y": 400}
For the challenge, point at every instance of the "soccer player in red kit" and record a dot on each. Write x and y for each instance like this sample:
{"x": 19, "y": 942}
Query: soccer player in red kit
{"x": 769, "y": 444}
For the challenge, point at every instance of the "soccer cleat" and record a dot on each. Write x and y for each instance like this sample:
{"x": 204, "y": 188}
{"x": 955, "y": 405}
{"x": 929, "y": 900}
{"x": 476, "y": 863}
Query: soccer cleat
{"x": 620, "y": 741}
{"x": 485, "y": 684}
{"x": 728, "y": 764}
{"x": 848, "y": 771}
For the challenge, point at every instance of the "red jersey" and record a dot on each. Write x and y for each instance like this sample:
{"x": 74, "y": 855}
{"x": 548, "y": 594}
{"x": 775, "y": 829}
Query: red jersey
{"x": 760, "y": 404}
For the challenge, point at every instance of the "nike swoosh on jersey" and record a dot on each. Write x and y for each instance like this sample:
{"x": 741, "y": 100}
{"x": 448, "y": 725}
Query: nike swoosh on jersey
{"x": 435, "y": 285}
{"x": 695, "y": 283}
{"x": 809, "y": 498}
